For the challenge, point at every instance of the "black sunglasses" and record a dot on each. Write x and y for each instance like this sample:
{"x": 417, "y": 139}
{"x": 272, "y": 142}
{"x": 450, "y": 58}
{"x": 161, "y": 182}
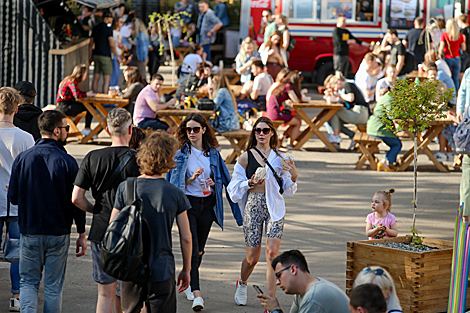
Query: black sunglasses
{"x": 265, "y": 131}
{"x": 377, "y": 271}
{"x": 196, "y": 129}
{"x": 67, "y": 128}
{"x": 278, "y": 274}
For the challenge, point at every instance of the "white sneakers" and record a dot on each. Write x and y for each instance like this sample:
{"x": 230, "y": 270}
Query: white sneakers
{"x": 14, "y": 305}
{"x": 334, "y": 139}
{"x": 442, "y": 157}
{"x": 241, "y": 293}
{"x": 198, "y": 304}
{"x": 189, "y": 294}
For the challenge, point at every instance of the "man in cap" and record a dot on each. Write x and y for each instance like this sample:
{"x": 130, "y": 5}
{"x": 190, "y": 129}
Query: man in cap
{"x": 27, "y": 116}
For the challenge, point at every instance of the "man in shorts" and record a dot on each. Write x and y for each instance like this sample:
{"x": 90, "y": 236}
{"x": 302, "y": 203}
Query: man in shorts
{"x": 96, "y": 170}
{"x": 102, "y": 37}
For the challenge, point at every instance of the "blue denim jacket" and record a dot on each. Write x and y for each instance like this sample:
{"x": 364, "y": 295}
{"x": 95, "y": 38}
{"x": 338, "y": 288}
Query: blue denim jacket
{"x": 463, "y": 98}
{"x": 221, "y": 177}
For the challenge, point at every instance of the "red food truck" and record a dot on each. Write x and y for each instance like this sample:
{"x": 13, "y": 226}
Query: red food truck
{"x": 311, "y": 23}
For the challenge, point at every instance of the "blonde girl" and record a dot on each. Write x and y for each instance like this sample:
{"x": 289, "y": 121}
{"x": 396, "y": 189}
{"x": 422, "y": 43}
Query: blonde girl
{"x": 449, "y": 46}
{"x": 245, "y": 58}
{"x": 381, "y": 223}
{"x": 379, "y": 276}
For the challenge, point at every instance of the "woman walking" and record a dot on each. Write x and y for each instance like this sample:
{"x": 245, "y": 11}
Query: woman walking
{"x": 451, "y": 41}
{"x": 261, "y": 194}
{"x": 201, "y": 173}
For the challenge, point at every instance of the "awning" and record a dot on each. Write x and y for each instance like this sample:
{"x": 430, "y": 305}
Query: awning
{"x": 98, "y": 4}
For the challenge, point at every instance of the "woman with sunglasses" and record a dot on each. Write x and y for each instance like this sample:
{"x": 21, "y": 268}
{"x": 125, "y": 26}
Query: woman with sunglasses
{"x": 201, "y": 173}
{"x": 380, "y": 277}
{"x": 261, "y": 199}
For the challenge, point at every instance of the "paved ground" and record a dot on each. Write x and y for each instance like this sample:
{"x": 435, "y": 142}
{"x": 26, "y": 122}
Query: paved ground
{"x": 328, "y": 210}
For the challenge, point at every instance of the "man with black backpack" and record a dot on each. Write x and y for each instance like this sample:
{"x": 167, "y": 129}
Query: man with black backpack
{"x": 102, "y": 171}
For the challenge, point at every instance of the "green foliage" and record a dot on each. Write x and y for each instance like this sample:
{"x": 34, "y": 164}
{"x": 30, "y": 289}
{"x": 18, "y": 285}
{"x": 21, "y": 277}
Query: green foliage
{"x": 416, "y": 239}
{"x": 416, "y": 106}
{"x": 164, "y": 21}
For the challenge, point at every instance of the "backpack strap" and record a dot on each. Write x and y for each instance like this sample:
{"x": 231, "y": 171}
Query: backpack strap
{"x": 131, "y": 186}
{"x": 115, "y": 174}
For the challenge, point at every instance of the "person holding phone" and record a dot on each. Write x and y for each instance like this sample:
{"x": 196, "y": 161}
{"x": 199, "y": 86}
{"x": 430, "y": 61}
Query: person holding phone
{"x": 260, "y": 180}
{"x": 201, "y": 173}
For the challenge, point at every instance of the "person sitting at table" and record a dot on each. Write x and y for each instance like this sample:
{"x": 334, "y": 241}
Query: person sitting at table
{"x": 69, "y": 91}
{"x": 284, "y": 95}
{"x": 366, "y": 76}
{"x": 355, "y": 110}
{"x": 195, "y": 56}
{"x": 273, "y": 54}
{"x": 431, "y": 56}
{"x": 258, "y": 88}
{"x": 134, "y": 85}
{"x": 147, "y": 105}
{"x": 376, "y": 129}
{"x": 385, "y": 84}
{"x": 279, "y": 78}
{"x": 227, "y": 119}
{"x": 197, "y": 81}
{"x": 245, "y": 58}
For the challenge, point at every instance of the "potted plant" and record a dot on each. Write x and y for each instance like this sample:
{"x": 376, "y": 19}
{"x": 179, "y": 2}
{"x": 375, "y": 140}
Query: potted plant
{"x": 421, "y": 277}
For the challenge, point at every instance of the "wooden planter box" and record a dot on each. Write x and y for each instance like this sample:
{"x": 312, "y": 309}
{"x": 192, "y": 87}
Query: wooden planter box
{"x": 421, "y": 279}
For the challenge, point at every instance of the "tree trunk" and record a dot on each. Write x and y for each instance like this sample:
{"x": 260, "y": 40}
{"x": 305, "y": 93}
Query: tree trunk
{"x": 172, "y": 53}
{"x": 415, "y": 189}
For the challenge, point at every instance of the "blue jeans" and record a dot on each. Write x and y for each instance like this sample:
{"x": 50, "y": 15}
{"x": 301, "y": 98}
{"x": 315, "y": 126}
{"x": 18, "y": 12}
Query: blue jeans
{"x": 395, "y": 147}
{"x": 38, "y": 252}
{"x": 454, "y": 64}
{"x": 14, "y": 232}
{"x": 116, "y": 72}
{"x": 207, "y": 49}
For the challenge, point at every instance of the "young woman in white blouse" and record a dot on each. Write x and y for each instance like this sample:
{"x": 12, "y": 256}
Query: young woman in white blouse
{"x": 261, "y": 199}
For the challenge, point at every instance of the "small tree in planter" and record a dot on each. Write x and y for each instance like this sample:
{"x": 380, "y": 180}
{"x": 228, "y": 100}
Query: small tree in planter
{"x": 414, "y": 107}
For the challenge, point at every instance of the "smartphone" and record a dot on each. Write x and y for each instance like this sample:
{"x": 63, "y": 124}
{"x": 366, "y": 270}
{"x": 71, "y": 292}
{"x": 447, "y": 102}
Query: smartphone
{"x": 258, "y": 289}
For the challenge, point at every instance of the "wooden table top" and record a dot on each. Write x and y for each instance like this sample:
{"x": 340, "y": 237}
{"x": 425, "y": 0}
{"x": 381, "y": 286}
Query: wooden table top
{"x": 104, "y": 98}
{"x": 318, "y": 104}
{"x": 184, "y": 112}
{"x": 229, "y": 71}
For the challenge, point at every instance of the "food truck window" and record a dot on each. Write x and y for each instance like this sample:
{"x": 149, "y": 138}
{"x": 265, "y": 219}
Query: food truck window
{"x": 443, "y": 9}
{"x": 354, "y": 10}
{"x": 402, "y": 13}
{"x": 304, "y": 10}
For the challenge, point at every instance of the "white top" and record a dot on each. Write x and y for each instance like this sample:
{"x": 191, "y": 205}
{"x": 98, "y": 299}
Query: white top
{"x": 126, "y": 30}
{"x": 442, "y": 65}
{"x": 191, "y": 60}
{"x": 262, "y": 83}
{"x": 117, "y": 39}
{"x": 263, "y": 52}
{"x": 381, "y": 84}
{"x": 364, "y": 81}
{"x": 13, "y": 141}
{"x": 196, "y": 160}
{"x": 238, "y": 187}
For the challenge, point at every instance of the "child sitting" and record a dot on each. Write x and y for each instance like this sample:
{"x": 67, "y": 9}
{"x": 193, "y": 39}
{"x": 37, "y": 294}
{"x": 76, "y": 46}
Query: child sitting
{"x": 381, "y": 223}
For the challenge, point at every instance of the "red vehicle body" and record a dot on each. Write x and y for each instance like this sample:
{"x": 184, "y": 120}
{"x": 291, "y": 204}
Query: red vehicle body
{"x": 311, "y": 23}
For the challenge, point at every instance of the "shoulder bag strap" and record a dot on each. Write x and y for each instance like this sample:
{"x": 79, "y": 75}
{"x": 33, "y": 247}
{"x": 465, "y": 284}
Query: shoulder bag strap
{"x": 269, "y": 165}
{"x": 116, "y": 173}
{"x": 131, "y": 184}
{"x": 448, "y": 44}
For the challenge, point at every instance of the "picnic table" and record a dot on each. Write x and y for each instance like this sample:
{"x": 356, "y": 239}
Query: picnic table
{"x": 423, "y": 142}
{"x": 174, "y": 116}
{"x": 232, "y": 75}
{"x": 327, "y": 111}
{"x": 95, "y": 105}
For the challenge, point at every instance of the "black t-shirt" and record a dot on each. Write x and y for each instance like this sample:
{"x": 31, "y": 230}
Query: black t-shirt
{"x": 27, "y": 119}
{"x": 466, "y": 33}
{"x": 358, "y": 98}
{"x": 101, "y": 34}
{"x": 96, "y": 169}
{"x": 340, "y": 41}
{"x": 397, "y": 49}
{"x": 162, "y": 202}
{"x": 416, "y": 46}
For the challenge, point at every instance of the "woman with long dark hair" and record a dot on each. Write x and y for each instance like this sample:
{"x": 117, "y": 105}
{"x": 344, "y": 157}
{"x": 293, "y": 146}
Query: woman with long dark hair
{"x": 261, "y": 177}
{"x": 134, "y": 84}
{"x": 201, "y": 173}
{"x": 273, "y": 55}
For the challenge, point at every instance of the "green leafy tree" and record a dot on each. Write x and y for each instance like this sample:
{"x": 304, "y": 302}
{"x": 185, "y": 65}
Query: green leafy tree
{"x": 415, "y": 106}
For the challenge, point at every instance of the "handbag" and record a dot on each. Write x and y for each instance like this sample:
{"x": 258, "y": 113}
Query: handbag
{"x": 11, "y": 246}
{"x": 279, "y": 179}
{"x": 205, "y": 104}
{"x": 284, "y": 110}
{"x": 462, "y": 135}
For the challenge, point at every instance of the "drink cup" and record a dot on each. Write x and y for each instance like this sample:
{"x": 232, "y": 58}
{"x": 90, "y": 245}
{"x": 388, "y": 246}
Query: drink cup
{"x": 206, "y": 190}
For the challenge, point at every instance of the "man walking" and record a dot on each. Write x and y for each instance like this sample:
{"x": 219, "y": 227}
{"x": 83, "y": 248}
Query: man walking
{"x": 27, "y": 116}
{"x": 103, "y": 170}
{"x": 41, "y": 185}
{"x": 312, "y": 294}
{"x": 270, "y": 24}
{"x": 414, "y": 41}
{"x": 342, "y": 38}
{"x": 207, "y": 26}
{"x": 14, "y": 141}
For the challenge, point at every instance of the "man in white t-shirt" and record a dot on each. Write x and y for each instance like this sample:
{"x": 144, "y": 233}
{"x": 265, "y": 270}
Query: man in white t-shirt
{"x": 13, "y": 141}
{"x": 366, "y": 76}
{"x": 261, "y": 84}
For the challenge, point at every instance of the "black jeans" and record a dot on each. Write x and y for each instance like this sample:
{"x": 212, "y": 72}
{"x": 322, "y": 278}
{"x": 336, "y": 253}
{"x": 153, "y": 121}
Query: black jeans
{"x": 159, "y": 297}
{"x": 341, "y": 64}
{"x": 201, "y": 216}
{"x": 72, "y": 108}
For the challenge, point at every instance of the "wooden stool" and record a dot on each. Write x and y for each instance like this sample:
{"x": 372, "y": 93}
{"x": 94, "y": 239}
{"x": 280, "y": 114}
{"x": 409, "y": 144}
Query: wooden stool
{"x": 73, "y": 122}
{"x": 238, "y": 140}
{"x": 368, "y": 147}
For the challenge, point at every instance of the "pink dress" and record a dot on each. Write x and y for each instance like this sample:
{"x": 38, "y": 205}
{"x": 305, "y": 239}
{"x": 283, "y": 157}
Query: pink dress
{"x": 388, "y": 221}
{"x": 272, "y": 110}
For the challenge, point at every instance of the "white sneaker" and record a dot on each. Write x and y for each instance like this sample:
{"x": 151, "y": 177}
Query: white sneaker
{"x": 241, "y": 293}
{"x": 440, "y": 157}
{"x": 334, "y": 139}
{"x": 450, "y": 156}
{"x": 189, "y": 294}
{"x": 85, "y": 132}
{"x": 14, "y": 305}
{"x": 198, "y": 304}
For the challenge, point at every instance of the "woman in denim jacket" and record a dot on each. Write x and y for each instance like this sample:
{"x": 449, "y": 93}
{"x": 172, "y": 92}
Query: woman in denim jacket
{"x": 227, "y": 118}
{"x": 201, "y": 173}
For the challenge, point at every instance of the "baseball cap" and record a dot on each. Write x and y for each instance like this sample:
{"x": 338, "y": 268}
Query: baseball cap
{"x": 107, "y": 13}
{"x": 25, "y": 89}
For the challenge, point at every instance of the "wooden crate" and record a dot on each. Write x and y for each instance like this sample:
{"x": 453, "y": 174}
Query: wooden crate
{"x": 421, "y": 279}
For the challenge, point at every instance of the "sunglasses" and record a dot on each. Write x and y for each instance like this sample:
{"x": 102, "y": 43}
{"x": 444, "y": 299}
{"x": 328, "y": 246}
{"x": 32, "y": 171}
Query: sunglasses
{"x": 67, "y": 128}
{"x": 377, "y": 272}
{"x": 278, "y": 274}
{"x": 265, "y": 131}
{"x": 196, "y": 129}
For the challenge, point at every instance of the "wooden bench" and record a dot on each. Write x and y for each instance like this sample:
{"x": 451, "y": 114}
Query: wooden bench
{"x": 73, "y": 122}
{"x": 238, "y": 140}
{"x": 182, "y": 52}
{"x": 368, "y": 147}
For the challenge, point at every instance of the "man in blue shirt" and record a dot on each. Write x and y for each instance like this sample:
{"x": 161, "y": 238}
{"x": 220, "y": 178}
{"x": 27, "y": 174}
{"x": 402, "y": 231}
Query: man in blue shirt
{"x": 41, "y": 185}
{"x": 207, "y": 26}
{"x": 220, "y": 10}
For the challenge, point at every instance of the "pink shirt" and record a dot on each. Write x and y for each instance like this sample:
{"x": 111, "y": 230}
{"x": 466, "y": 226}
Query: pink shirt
{"x": 142, "y": 110}
{"x": 388, "y": 221}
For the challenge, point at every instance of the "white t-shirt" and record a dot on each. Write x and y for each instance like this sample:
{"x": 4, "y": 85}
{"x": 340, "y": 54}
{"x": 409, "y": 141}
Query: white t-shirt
{"x": 262, "y": 83}
{"x": 381, "y": 84}
{"x": 126, "y": 30}
{"x": 117, "y": 38}
{"x": 13, "y": 141}
{"x": 442, "y": 65}
{"x": 191, "y": 60}
{"x": 364, "y": 81}
{"x": 196, "y": 160}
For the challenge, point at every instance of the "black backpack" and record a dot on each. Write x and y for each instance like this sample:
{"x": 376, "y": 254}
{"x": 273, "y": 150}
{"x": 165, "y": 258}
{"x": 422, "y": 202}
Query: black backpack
{"x": 409, "y": 65}
{"x": 126, "y": 245}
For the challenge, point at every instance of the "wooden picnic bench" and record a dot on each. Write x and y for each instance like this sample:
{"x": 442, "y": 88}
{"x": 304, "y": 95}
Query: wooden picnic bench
{"x": 182, "y": 52}
{"x": 368, "y": 147}
{"x": 73, "y": 122}
{"x": 238, "y": 140}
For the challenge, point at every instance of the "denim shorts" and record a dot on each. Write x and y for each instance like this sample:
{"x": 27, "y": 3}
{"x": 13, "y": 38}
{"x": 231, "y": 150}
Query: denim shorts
{"x": 98, "y": 275}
